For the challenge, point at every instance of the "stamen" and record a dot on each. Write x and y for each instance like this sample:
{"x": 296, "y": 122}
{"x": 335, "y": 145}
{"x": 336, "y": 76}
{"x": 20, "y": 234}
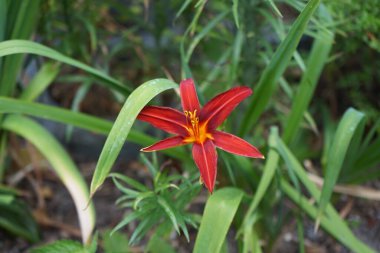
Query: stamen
{"x": 193, "y": 124}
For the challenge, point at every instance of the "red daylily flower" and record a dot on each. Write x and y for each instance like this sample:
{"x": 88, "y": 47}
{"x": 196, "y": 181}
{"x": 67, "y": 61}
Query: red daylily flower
{"x": 198, "y": 126}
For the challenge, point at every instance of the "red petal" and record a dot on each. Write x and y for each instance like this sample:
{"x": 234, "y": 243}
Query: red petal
{"x": 171, "y": 142}
{"x": 189, "y": 97}
{"x": 205, "y": 157}
{"x": 218, "y": 108}
{"x": 235, "y": 145}
{"x": 165, "y": 118}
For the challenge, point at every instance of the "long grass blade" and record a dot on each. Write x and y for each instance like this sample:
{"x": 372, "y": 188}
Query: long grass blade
{"x": 338, "y": 224}
{"x": 349, "y": 241}
{"x": 346, "y": 129}
{"x": 40, "y": 81}
{"x": 22, "y": 17}
{"x": 276, "y": 68}
{"x": 219, "y": 212}
{"x": 61, "y": 163}
{"x": 84, "y": 121}
{"x": 266, "y": 179}
{"x": 120, "y": 129}
{"x": 317, "y": 59}
{"x": 12, "y": 47}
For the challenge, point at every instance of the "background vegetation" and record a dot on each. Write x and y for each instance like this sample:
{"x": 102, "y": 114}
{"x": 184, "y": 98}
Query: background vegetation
{"x": 75, "y": 74}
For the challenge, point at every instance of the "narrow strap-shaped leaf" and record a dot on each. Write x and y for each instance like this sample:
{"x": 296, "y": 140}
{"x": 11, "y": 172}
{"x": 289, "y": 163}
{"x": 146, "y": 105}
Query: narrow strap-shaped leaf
{"x": 40, "y": 81}
{"x": 219, "y": 212}
{"x": 130, "y": 181}
{"x": 91, "y": 123}
{"x": 21, "y": 19}
{"x": 235, "y": 12}
{"x": 276, "y": 68}
{"x": 266, "y": 178}
{"x": 348, "y": 240}
{"x": 61, "y": 163}
{"x": 169, "y": 212}
{"x": 11, "y": 47}
{"x": 346, "y": 129}
{"x": 122, "y": 126}
{"x": 317, "y": 59}
{"x": 339, "y": 226}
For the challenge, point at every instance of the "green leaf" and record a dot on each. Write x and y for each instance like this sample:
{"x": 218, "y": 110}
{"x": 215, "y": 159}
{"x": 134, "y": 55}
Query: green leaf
{"x": 267, "y": 83}
{"x": 266, "y": 179}
{"x": 61, "y": 163}
{"x": 340, "y": 230}
{"x": 274, "y": 7}
{"x": 91, "y": 123}
{"x": 348, "y": 240}
{"x": 235, "y": 12}
{"x": 15, "y": 216}
{"x": 217, "y": 218}
{"x": 203, "y": 33}
{"x": 40, "y": 81}
{"x": 20, "y": 21}
{"x": 62, "y": 246}
{"x": 11, "y": 47}
{"x": 159, "y": 245}
{"x": 120, "y": 129}
{"x": 183, "y": 8}
{"x": 169, "y": 211}
{"x": 135, "y": 184}
{"x": 115, "y": 242}
{"x": 317, "y": 59}
{"x": 348, "y": 125}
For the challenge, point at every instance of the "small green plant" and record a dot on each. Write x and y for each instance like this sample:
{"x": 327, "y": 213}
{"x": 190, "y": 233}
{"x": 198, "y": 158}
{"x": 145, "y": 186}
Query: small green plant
{"x": 157, "y": 207}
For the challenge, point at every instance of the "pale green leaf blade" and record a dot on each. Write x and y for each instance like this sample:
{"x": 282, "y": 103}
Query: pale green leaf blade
{"x": 266, "y": 178}
{"x": 275, "y": 9}
{"x": 219, "y": 212}
{"x": 235, "y": 12}
{"x": 169, "y": 212}
{"x": 61, "y": 163}
{"x": 12, "y": 47}
{"x": 348, "y": 240}
{"x": 317, "y": 59}
{"x": 40, "y": 81}
{"x": 203, "y": 33}
{"x": 120, "y": 129}
{"x": 346, "y": 129}
{"x": 339, "y": 226}
{"x": 88, "y": 122}
{"x": 267, "y": 83}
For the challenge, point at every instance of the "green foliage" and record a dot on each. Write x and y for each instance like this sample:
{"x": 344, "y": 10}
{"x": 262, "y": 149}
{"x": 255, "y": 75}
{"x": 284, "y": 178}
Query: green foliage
{"x": 349, "y": 125}
{"x": 217, "y": 218}
{"x": 360, "y": 20}
{"x": 16, "y": 217}
{"x": 163, "y": 204}
{"x": 63, "y": 246}
{"x": 276, "y": 67}
{"x": 296, "y": 55}
{"x": 115, "y": 242}
{"x": 120, "y": 129}
{"x": 62, "y": 164}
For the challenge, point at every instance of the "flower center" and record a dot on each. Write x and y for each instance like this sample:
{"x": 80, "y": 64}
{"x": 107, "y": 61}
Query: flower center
{"x": 197, "y": 132}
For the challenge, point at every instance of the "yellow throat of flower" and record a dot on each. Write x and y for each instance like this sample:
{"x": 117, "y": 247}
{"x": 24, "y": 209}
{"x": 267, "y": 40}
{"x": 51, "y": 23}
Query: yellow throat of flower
{"x": 197, "y": 132}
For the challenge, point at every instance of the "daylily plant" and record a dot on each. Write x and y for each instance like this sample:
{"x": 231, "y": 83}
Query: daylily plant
{"x": 199, "y": 127}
